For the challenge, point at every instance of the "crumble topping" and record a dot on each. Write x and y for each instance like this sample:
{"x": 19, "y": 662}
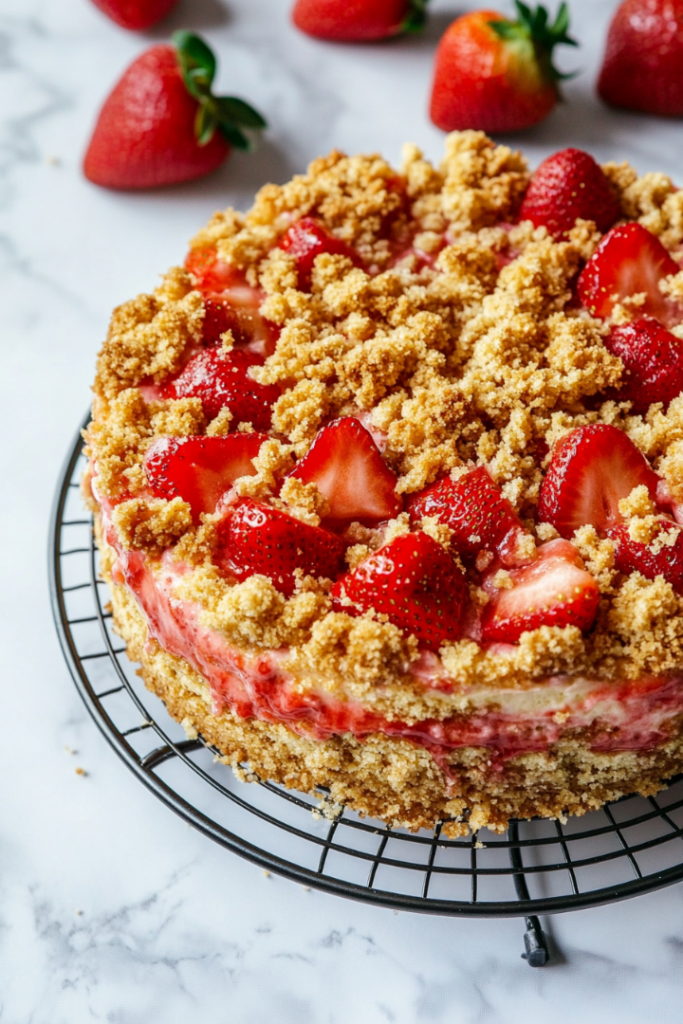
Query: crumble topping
{"x": 459, "y": 339}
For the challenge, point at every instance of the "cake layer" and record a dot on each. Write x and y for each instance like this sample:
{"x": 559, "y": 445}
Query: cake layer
{"x": 612, "y": 715}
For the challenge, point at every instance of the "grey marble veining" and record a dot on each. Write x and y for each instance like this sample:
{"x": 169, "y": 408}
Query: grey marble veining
{"x": 111, "y": 909}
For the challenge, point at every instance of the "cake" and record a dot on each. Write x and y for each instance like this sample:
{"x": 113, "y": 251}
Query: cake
{"x": 387, "y": 482}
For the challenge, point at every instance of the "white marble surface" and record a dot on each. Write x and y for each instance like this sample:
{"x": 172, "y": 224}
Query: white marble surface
{"x": 112, "y": 909}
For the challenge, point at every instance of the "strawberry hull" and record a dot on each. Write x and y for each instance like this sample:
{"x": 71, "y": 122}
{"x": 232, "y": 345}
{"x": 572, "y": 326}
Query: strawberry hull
{"x": 607, "y": 716}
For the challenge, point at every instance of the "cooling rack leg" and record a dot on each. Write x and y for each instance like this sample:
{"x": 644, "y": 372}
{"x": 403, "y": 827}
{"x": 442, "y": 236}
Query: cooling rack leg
{"x": 535, "y": 943}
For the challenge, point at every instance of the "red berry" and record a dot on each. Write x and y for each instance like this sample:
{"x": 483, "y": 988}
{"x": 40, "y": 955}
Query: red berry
{"x": 591, "y": 469}
{"x": 474, "y": 508}
{"x": 644, "y": 57}
{"x": 161, "y": 124}
{"x": 663, "y": 556}
{"x": 255, "y": 538}
{"x": 136, "y": 14}
{"x": 566, "y": 187}
{"x": 346, "y": 466}
{"x": 494, "y": 74}
{"x": 554, "y": 590}
{"x": 653, "y": 363}
{"x": 211, "y": 274}
{"x": 221, "y": 379}
{"x": 200, "y": 469}
{"x": 225, "y": 286}
{"x": 412, "y": 581}
{"x": 305, "y": 240}
{"x": 357, "y": 20}
{"x": 629, "y": 260}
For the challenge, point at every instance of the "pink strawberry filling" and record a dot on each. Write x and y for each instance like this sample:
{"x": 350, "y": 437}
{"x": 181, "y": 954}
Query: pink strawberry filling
{"x": 630, "y": 715}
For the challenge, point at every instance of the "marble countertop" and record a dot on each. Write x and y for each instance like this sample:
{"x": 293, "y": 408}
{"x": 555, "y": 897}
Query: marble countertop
{"x": 111, "y": 908}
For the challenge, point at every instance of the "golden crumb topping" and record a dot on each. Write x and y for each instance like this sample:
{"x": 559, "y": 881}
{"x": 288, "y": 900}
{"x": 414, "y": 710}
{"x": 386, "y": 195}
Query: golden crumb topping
{"x": 453, "y": 332}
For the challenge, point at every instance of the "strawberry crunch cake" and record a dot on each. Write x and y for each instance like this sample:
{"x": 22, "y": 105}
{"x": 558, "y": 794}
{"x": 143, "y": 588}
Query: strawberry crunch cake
{"x": 388, "y": 480}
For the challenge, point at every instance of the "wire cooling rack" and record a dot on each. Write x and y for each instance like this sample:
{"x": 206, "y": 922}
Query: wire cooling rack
{"x": 538, "y": 867}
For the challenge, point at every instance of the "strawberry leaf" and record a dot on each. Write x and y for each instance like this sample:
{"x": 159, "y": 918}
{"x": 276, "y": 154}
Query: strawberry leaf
{"x": 417, "y": 16}
{"x": 197, "y": 62}
{"x": 533, "y": 26}
{"x": 205, "y": 123}
{"x": 226, "y": 114}
{"x": 238, "y": 112}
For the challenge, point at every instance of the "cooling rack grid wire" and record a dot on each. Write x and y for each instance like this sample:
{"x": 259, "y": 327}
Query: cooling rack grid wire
{"x": 538, "y": 867}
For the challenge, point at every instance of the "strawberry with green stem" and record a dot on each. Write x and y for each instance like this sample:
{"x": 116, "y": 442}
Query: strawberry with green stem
{"x": 162, "y": 124}
{"x": 495, "y": 74}
{"x": 358, "y": 21}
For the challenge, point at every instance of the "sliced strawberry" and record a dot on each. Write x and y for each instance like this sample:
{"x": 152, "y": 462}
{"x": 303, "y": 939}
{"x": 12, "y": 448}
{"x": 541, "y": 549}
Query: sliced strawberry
{"x": 412, "y": 581}
{"x": 346, "y": 466}
{"x": 200, "y": 469}
{"x": 220, "y": 379}
{"x": 591, "y": 469}
{"x": 210, "y": 273}
{"x": 227, "y": 287}
{"x": 305, "y": 240}
{"x": 653, "y": 559}
{"x": 653, "y": 363}
{"x": 567, "y": 186}
{"x": 474, "y": 508}
{"x": 629, "y": 260}
{"x": 554, "y": 590}
{"x": 255, "y": 538}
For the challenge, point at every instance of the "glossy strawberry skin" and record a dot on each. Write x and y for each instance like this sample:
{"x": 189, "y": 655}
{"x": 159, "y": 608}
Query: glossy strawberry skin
{"x": 144, "y": 136}
{"x": 629, "y": 260}
{"x": 642, "y": 65}
{"x": 566, "y": 187}
{"x": 221, "y": 379}
{"x": 136, "y": 14}
{"x": 633, "y": 556}
{"x": 553, "y": 590}
{"x": 653, "y": 363}
{"x": 474, "y": 508}
{"x": 591, "y": 469}
{"x": 480, "y": 82}
{"x": 412, "y": 581}
{"x": 305, "y": 240}
{"x": 347, "y": 468}
{"x": 350, "y": 20}
{"x": 200, "y": 469}
{"x": 255, "y": 538}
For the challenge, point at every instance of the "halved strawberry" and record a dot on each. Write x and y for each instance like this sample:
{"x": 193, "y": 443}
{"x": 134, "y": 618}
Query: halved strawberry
{"x": 210, "y": 273}
{"x": 653, "y": 363}
{"x": 474, "y": 508}
{"x": 412, "y": 581}
{"x": 220, "y": 379}
{"x": 226, "y": 286}
{"x": 653, "y": 559}
{"x": 346, "y": 466}
{"x": 567, "y": 186}
{"x": 591, "y": 469}
{"x": 256, "y": 538}
{"x": 554, "y": 590}
{"x": 629, "y": 260}
{"x": 200, "y": 469}
{"x": 305, "y": 240}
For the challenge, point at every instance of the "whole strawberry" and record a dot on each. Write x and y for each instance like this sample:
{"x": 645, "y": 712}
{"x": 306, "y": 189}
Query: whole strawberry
{"x": 566, "y": 187}
{"x": 358, "y": 20}
{"x": 643, "y": 64}
{"x": 497, "y": 75}
{"x": 161, "y": 124}
{"x": 135, "y": 14}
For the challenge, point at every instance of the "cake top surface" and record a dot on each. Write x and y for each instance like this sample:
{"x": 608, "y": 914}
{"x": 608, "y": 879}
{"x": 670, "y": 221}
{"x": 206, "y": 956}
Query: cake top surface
{"x": 453, "y": 333}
